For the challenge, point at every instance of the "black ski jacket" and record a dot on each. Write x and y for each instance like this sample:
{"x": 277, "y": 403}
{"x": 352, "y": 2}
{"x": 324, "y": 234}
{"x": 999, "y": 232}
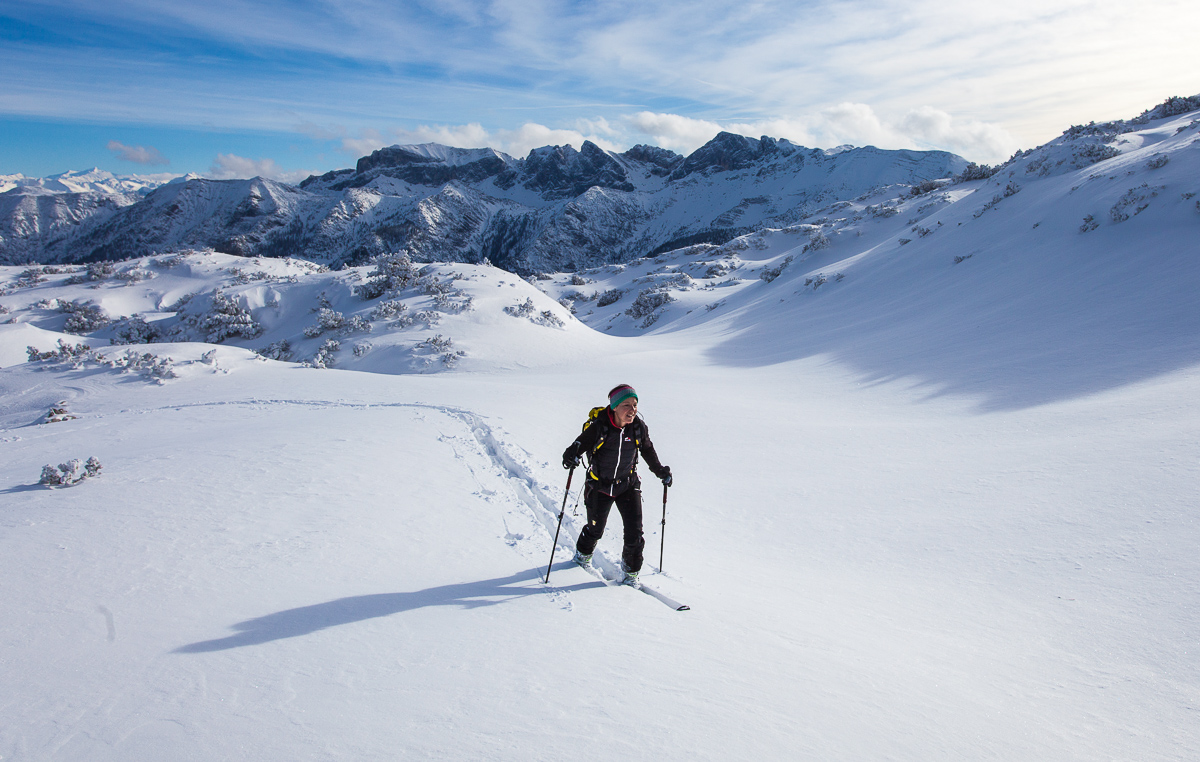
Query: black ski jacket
{"x": 613, "y": 453}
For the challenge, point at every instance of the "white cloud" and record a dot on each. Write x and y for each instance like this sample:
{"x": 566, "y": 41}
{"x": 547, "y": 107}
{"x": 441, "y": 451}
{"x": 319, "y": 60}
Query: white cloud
{"x": 229, "y": 166}
{"x": 138, "y": 154}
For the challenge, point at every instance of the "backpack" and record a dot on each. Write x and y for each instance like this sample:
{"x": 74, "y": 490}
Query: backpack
{"x": 594, "y": 414}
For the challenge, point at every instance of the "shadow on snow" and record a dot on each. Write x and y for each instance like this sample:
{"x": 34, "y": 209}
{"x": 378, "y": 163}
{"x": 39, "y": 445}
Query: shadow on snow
{"x": 309, "y": 619}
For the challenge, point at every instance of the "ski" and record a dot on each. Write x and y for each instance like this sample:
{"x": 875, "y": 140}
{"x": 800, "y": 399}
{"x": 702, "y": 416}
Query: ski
{"x": 642, "y": 586}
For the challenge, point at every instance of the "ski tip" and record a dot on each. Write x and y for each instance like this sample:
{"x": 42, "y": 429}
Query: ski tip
{"x": 684, "y": 608}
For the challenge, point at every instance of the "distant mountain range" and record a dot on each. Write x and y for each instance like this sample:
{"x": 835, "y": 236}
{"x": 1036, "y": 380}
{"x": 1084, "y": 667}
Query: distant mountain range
{"x": 557, "y": 209}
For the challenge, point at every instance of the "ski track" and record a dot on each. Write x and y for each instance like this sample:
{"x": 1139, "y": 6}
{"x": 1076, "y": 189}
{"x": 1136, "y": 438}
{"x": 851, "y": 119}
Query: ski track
{"x": 511, "y": 466}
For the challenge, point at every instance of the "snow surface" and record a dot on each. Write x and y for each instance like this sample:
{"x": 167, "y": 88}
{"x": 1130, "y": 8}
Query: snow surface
{"x": 931, "y": 510}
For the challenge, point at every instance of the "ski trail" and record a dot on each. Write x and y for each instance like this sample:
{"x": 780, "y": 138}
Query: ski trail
{"x": 514, "y": 467}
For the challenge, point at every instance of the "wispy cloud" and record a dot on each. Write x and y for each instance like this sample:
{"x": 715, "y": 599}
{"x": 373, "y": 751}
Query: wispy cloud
{"x": 978, "y": 79}
{"x": 138, "y": 154}
{"x": 228, "y": 166}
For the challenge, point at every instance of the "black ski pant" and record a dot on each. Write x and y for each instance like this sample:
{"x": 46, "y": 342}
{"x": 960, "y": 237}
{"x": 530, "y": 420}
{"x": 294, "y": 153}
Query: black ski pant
{"x": 629, "y": 504}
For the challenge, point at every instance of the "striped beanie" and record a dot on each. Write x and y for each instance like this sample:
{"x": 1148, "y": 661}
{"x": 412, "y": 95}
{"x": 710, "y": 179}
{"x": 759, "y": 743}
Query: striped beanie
{"x": 620, "y": 394}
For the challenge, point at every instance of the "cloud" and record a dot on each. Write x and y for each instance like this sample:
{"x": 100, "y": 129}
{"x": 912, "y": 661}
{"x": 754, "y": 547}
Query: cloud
{"x": 137, "y": 154}
{"x": 229, "y": 166}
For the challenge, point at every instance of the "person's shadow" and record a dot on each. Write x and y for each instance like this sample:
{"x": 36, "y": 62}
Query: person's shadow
{"x": 308, "y": 619}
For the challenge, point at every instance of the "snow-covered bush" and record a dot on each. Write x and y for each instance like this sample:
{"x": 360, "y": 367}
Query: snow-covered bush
{"x": 227, "y": 319}
{"x": 1158, "y": 161}
{"x": 65, "y": 351}
{"x": 150, "y": 366}
{"x": 59, "y": 413}
{"x": 1089, "y": 224}
{"x": 96, "y": 271}
{"x": 330, "y": 321}
{"x": 647, "y": 302}
{"x": 579, "y": 280}
{"x": 83, "y": 317}
{"x": 612, "y": 296}
{"x": 279, "y": 350}
{"x": 771, "y": 273}
{"x": 923, "y": 187}
{"x": 70, "y": 473}
{"x": 975, "y": 171}
{"x": 1136, "y": 198}
{"x": 393, "y": 272}
{"x": 527, "y": 309}
{"x": 442, "y": 347}
{"x": 988, "y": 206}
{"x": 388, "y": 310}
{"x": 324, "y": 356}
{"x": 446, "y": 297}
{"x": 1093, "y": 153}
{"x": 135, "y": 330}
{"x": 1011, "y": 189}
{"x": 30, "y": 278}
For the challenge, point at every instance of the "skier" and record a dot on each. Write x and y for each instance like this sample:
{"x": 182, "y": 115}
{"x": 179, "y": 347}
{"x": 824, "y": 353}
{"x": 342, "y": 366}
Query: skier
{"x": 612, "y": 440}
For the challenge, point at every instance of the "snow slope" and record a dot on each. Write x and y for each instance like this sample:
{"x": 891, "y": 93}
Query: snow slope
{"x": 931, "y": 510}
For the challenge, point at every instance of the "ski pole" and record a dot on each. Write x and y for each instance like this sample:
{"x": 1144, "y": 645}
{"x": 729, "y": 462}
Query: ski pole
{"x": 554, "y": 547}
{"x": 662, "y": 531}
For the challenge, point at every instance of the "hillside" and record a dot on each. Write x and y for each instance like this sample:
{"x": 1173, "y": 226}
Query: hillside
{"x": 935, "y": 460}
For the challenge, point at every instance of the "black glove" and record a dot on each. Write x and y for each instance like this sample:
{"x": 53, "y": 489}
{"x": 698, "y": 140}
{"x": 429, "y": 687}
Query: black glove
{"x": 665, "y": 475}
{"x": 570, "y": 461}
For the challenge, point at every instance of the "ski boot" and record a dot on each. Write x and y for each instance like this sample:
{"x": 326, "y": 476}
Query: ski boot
{"x": 582, "y": 560}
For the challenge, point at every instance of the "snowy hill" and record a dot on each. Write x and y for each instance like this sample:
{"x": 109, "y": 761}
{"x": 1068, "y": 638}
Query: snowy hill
{"x": 556, "y": 209}
{"x": 935, "y": 460}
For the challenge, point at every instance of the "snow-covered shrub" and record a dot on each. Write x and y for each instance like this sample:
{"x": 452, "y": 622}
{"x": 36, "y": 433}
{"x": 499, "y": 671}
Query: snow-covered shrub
{"x": 1011, "y": 189}
{"x": 612, "y": 296}
{"x": 388, "y": 310}
{"x": 975, "y": 171}
{"x": 1093, "y": 153}
{"x": 443, "y": 347}
{"x": 1089, "y": 224}
{"x": 330, "y": 321}
{"x": 134, "y": 275}
{"x": 816, "y": 281}
{"x": 647, "y": 302}
{"x": 1137, "y": 198}
{"x": 279, "y": 350}
{"x": 962, "y": 258}
{"x": 324, "y": 356}
{"x": 135, "y": 330}
{"x": 148, "y": 365}
{"x": 393, "y": 272}
{"x": 83, "y": 317}
{"x": 817, "y": 240}
{"x": 30, "y": 278}
{"x": 362, "y": 348}
{"x": 1158, "y": 161}
{"x": 923, "y": 187}
{"x": 527, "y": 309}
{"x": 988, "y": 206}
{"x": 579, "y": 280}
{"x": 65, "y": 351}
{"x": 3, "y": 310}
{"x": 96, "y": 271}
{"x": 882, "y": 210}
{"x": 446, "y": 297}
{"x": 771, "y": 273}
{"x": 70, "y": 473}
{"x": 905, "y": 241}
{"x": 228, "y": 318}
{"x": 59, "y": 413}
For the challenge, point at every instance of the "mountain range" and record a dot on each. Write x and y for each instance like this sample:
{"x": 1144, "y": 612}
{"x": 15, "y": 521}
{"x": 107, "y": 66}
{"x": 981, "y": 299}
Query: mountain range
{"x": 557, "y": 209}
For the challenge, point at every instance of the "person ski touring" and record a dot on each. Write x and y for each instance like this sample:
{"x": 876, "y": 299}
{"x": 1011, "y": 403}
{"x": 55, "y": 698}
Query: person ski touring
{"x": 612, "y": 439}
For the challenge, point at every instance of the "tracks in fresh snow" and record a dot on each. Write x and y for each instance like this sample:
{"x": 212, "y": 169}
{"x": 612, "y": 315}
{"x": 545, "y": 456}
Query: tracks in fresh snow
{"x": 505, "y": 475}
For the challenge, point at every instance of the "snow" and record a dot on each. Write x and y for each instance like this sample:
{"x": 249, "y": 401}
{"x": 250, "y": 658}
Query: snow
{"x": 932, "y": 510}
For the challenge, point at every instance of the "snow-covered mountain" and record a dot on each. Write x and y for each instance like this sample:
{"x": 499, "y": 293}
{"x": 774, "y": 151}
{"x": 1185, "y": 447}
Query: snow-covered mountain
{"x": 556, "y": 209}
{"x": 934, "y": 458}
{"x": 88, "y": 181}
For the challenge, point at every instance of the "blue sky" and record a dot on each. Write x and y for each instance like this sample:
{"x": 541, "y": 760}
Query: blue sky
{"x": 233, "y": 88}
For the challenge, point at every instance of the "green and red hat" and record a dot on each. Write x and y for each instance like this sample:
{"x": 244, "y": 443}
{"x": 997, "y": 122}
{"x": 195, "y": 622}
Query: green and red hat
{"x": 620, "y": 394}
